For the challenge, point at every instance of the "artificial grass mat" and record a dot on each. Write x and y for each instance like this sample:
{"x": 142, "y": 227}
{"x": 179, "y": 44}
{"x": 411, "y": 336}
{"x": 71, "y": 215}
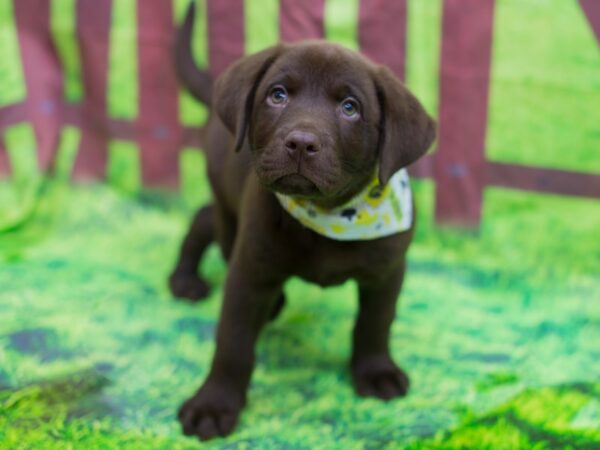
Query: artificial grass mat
{"x": 499, "y": 331}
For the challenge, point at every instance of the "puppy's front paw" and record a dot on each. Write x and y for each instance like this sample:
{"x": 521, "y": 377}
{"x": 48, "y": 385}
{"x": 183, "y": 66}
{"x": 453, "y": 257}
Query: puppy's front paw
{"x": 213, "y": 411}
{"x": 378, "y": 376}
{"x": 188, "y": 286}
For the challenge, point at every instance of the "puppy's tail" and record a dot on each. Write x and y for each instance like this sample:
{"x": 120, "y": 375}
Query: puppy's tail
{"x": 198, "y": 82}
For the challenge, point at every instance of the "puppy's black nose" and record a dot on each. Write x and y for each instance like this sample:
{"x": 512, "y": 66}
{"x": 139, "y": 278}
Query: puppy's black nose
{"x": 302, "y": 141}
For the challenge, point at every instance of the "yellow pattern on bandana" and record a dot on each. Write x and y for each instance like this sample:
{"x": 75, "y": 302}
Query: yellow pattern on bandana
{"x": 377, "y": 211}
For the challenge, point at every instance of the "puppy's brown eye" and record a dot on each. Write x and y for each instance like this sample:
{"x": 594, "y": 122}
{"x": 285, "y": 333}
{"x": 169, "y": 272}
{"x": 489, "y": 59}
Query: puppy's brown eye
{"x": 278, "y": 95}
{"x": 350, "y": 107}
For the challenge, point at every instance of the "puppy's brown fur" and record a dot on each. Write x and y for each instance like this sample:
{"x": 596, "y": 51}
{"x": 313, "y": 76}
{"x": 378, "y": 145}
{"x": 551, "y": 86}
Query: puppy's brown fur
{"x": 305, "y": 145}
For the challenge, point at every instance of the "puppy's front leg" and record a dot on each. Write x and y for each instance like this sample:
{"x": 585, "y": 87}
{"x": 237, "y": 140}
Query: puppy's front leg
{"x": 373, "y": 371}
{"x": 214, "y": 409}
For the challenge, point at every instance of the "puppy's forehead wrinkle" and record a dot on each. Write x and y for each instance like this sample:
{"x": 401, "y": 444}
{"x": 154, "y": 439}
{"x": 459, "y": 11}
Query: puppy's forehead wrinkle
{"x": 281, "y": 70}
{"x": 323, "y": 64}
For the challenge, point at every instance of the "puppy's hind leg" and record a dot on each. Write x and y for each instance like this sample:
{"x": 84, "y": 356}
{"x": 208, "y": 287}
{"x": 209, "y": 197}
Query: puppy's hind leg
{"x": 185, "y": 281}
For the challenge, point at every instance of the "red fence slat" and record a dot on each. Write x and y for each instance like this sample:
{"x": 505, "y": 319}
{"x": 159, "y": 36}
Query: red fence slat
{"x": 382, "y": 33}
{"x": 93, "y": 26}
{"x": 591, "y": 8}
{"x": 42, "y": 74}
{"x": 160, "y": 133}
{"x": 3, "y": 159}
{"x": 464, "y": 84}
{"x": 225, "y": 33}
{"x": 301, "y": 20}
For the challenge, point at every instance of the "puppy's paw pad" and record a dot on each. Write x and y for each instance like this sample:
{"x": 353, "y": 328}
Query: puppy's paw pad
{"x": 208, "y": 415}
{"x": 381, "y": 378}
{"x": 188, "y": 286}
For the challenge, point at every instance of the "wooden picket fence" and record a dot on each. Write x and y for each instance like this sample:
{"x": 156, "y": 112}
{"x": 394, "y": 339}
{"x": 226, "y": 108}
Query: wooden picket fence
{"x": 68, "y": 75}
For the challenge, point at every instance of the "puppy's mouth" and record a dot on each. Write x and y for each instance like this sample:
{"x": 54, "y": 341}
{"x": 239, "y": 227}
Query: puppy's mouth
{"x": 296, "y": 185}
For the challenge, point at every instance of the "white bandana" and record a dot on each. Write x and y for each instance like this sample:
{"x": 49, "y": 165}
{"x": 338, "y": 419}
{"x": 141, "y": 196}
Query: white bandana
{"x": 374, "y": 213}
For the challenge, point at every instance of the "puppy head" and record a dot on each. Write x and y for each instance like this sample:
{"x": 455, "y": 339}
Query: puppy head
{"x": 320, "y": 119}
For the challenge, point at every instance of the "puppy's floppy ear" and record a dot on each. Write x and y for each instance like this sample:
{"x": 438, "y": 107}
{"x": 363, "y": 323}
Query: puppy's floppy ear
{"x": 406, "y": 130}
{"x": 235, "y": 90}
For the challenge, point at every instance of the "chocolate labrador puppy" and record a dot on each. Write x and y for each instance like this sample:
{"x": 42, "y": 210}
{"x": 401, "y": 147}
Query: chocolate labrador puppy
{"x": 300, "y": 130}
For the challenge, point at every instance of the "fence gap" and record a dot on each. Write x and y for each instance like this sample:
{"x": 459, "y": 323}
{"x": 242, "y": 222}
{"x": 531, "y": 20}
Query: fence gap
{"x": 63, "y": 24}
{"x": 261, "y": 24}
{"x": 341, "y": 22}
{"x": 123, "y": 171}
{"x": 191, "y": 111}
{"x": 13, "y": 81}
{"x": 195, "y": 188}
{"x": 66, "y": 153}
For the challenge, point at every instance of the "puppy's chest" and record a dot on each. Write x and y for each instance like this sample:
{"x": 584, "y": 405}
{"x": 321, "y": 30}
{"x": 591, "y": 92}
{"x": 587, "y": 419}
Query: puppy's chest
{"x": 334, "y": 264}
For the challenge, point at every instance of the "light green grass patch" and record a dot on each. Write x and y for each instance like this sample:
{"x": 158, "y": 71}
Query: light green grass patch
{"x": 124, "y": 171}
{"x": 11, "y": 70}
{"x": 423, "y": 51}
{"x": 545, "y": 86}
{"x": 536, "y": 418}
{"x": 262, "y": 24}
{"x": 63, "y": 25}
{"x": 341, "y": 22}
{"x": 191, "y": 111}
{"x": 21, "y": 146}
{"x": 123, "y": 86}
{"x": 194, "y": 178}
{"x": 66, "y": 152}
